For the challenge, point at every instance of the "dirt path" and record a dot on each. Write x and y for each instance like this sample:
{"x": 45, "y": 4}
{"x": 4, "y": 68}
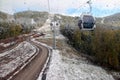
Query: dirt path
{"x": 32, "y": 70}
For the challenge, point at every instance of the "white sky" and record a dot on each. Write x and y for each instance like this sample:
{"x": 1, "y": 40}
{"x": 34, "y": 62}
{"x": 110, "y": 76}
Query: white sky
{"x": 70, "y": 7}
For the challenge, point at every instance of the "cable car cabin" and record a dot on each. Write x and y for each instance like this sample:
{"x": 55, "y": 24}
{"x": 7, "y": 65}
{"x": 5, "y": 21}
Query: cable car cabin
{"x": 87, "y": 22}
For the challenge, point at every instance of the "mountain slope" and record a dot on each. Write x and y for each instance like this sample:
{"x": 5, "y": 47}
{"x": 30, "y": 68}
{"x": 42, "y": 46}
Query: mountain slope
{"x": 26, "y": 17}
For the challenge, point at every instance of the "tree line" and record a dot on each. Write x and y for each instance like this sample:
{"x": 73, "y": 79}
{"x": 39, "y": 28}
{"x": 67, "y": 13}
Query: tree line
{"x": 102, "y": 44}
{"x": 12, "y": 30}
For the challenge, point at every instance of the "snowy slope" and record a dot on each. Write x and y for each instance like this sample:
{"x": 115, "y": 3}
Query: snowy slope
{"x": 10, "y": 60}
{"x": 46, "y": 27}
{"x": 63, "y": 68}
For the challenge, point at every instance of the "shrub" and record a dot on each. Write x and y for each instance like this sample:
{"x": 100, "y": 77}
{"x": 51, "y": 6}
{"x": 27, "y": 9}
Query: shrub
{"x": 106, "y": 47}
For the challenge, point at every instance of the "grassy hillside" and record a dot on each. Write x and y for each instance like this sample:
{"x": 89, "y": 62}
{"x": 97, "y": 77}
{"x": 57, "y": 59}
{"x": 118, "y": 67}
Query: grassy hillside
{"x": 115, "y": 17}
{"x": 113, "y": 20}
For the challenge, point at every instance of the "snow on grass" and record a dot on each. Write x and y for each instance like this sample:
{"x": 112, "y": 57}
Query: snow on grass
{"x": 41, "y": 43}
{"x": 7, "y": 52}
{"x": 63, "y": 68}
{"x": 15, "y": 57}
{"x": 49, "y": 36}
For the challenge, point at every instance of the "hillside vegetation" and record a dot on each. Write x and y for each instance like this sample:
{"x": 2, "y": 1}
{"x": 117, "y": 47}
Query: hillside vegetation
{"x": 102, "y": 44}
{"x": 31, "y": 14}
{"x": 113, "y": 20}
{"x": 19, "y": 23}
{"x": 12, "y": 30}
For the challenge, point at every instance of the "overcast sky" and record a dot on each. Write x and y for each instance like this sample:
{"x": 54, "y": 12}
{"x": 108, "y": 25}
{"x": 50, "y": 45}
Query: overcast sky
{"x": 100, "y": 8}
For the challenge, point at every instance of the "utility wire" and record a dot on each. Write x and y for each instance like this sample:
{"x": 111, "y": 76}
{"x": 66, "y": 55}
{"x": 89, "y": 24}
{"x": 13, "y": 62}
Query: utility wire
{"x": 89, "y": 3}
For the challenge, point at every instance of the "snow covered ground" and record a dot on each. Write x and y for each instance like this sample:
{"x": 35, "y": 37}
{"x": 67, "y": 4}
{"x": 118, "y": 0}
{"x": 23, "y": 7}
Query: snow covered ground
{"x": 66, "y": 68}
{"x": 10, "y": 60}
{"x": 63, "y": 68}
